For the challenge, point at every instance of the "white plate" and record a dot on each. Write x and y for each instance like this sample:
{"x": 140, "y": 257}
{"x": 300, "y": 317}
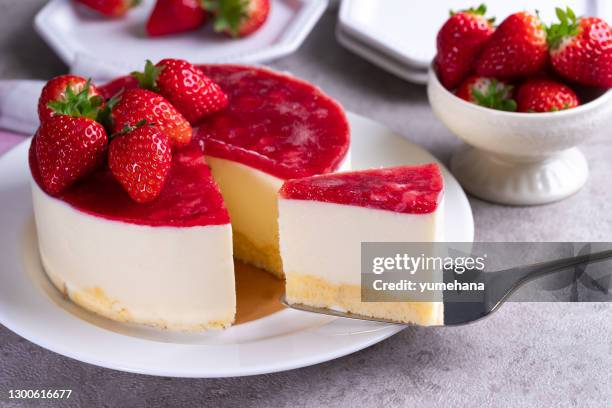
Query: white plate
{"x": 407, "y": 29}
{"x": 388, "y": 63}
{"x": 32, "y": 308}
{"x": 73, "y": 30}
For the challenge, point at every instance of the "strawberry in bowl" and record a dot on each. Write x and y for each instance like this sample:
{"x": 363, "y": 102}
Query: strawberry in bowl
{"x": 531, "y": 95}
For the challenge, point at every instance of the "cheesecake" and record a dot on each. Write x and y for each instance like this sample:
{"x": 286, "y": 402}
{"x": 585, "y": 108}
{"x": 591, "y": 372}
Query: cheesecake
{"x": 167, "y": 263}
{"x": 275, "y": 128}
{"x": 324, "y": 219}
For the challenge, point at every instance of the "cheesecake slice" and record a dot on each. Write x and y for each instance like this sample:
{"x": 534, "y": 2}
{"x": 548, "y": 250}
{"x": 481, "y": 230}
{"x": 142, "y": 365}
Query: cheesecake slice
{"x": 324, "y": 219}
{"x": 167, "y": 263}
{"x": 275, "y": 128}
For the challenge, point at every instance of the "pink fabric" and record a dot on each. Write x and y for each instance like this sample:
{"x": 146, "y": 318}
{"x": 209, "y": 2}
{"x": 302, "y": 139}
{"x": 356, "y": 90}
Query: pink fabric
{"x": 8, "y": 140}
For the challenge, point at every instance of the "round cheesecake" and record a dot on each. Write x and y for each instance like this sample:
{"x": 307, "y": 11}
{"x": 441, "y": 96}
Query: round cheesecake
{"x": 167, "y": 263}
{"x": 276, "y": 128}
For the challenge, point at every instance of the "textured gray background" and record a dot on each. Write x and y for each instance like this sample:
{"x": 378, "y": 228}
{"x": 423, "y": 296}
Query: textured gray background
{"x": 525, "y": 355}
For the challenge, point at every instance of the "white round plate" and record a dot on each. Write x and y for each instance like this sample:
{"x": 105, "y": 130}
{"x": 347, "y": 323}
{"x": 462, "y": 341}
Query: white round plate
{"x": 31, "y": 307}
{"x": 74, "y": 31}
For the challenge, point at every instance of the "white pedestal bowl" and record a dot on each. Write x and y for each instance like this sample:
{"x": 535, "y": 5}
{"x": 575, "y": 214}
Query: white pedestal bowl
{"x": 519, "y": 158}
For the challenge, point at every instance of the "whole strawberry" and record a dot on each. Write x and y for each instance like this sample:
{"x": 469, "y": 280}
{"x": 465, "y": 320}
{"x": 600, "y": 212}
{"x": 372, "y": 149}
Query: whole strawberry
{"x": 517, "y": 48}
{"x": 238, "y": 18}
{"x": 545, "y": 95}
{"x": 459, "y": 41}
{"x": 185, "y": 86}
{"x": 175, "y": 16}
{"x": 581, "y": 49}
{"x": 140, "y": 159}
{"x": 136, "y": 105}
{"x": 110, "y": 8}
{"x": 118, "y": 85}
{"x": 487, "y": 92}
{"x": 67, "y": 148}
{"x": 69, "y": 95}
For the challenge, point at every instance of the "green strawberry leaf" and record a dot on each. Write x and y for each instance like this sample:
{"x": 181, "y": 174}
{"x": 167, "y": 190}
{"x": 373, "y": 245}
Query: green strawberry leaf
{"x": 567, "y": 27}
{"x": 481, "y": 10}
{"x": 495, "y": 97}
{"x": 105, "y": 116}
{"x": 78, "y": 105}
{"x": 129, "y": 128}
{"x": 148, "y": 78}
{"x": 229, "y": 14}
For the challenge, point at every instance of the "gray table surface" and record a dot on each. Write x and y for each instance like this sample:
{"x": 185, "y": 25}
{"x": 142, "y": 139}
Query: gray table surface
{"x": 525, "y": 355}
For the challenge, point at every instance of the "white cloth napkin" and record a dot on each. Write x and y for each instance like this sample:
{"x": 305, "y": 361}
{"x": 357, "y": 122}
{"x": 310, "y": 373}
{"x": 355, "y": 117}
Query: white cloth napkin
{"x": 18, "y": 98}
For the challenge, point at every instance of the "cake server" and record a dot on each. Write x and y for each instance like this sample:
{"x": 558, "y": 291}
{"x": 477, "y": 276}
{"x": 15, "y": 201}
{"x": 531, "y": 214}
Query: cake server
{"x": 501, "y": 285}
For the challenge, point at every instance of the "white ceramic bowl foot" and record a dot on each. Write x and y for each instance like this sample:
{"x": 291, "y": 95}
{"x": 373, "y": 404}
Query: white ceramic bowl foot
{"x": 516, "y": 181}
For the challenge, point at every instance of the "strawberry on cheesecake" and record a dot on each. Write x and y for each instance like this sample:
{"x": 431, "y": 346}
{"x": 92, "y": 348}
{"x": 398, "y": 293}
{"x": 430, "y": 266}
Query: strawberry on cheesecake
{"x": 167, "y": 263}
{"x": 131, "y": 224}
{"x": 275, "y": 128}
{"x": 324, "y": 219}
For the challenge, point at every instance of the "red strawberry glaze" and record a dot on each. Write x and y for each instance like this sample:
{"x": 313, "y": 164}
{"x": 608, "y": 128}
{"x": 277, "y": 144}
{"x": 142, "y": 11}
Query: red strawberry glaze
{"x": 407, "y": 189}
{"x": 276, "y": 123}
{"x": 190, "y": 196}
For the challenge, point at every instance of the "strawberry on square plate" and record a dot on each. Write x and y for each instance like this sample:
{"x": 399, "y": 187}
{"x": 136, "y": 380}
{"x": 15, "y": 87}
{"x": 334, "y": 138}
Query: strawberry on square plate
{"x": 70, "y": 32}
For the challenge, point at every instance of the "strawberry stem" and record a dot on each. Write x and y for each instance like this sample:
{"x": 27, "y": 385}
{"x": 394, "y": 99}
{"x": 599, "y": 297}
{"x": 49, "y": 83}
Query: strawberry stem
{"x": 79, "y": 104}
{"x": 148, "y": 78}
{"x": 481, "y": 10}
{"x": 229, "y": 14}
{"x": 495, "y": 97}
{"x": 105, "y": 116}
{"x": 568, "y": 26}
{"x": 131, "y": 128}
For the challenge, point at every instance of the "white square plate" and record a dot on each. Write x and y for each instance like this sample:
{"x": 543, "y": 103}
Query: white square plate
{"x": 72, "y": 30}
{"x": 406, "y": 29}
{"x": 392, "y": 65}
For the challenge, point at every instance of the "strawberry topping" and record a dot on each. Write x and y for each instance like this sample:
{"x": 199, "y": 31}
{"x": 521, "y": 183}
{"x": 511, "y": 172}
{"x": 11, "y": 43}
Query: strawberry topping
{"x": 409, "y": 190}
{"x": 275, "y": 123}
{"x": 68, "y": 148}
{"x": 189, "y": 198}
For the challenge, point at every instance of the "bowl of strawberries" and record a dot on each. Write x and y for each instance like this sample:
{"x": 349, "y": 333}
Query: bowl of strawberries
{"x": 522, "y": 95}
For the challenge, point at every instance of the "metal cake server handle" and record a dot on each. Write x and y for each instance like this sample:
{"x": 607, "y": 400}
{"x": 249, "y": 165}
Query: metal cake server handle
{"x": 502, "y": 285}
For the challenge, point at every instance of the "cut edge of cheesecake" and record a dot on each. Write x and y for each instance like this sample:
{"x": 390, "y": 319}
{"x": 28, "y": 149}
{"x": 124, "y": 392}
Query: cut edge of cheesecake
{"x": 320, "y": 244}
{"x": 251, "y": 197}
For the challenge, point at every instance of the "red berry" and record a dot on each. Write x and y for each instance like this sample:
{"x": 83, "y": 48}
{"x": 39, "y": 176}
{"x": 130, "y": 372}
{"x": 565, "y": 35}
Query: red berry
{"x": 239, "y": 18}
{"x": 68, "y": 148}
{"x": 185, "y": 86}
{"x": 487, "y": 92}
{"x": 545, "y": 95}
{"x": 136, "y": 105}
{"x": 175, "y": 16}
{"x": 517, "y": 48}
{"x": 581, "y": 49}
{"x": 117, "y": 86}
{"x": 69, "y": 95}
{"x": 140, "y": 160}
{"x": 459, "y": 41}
{"x": 111, "y": 8}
